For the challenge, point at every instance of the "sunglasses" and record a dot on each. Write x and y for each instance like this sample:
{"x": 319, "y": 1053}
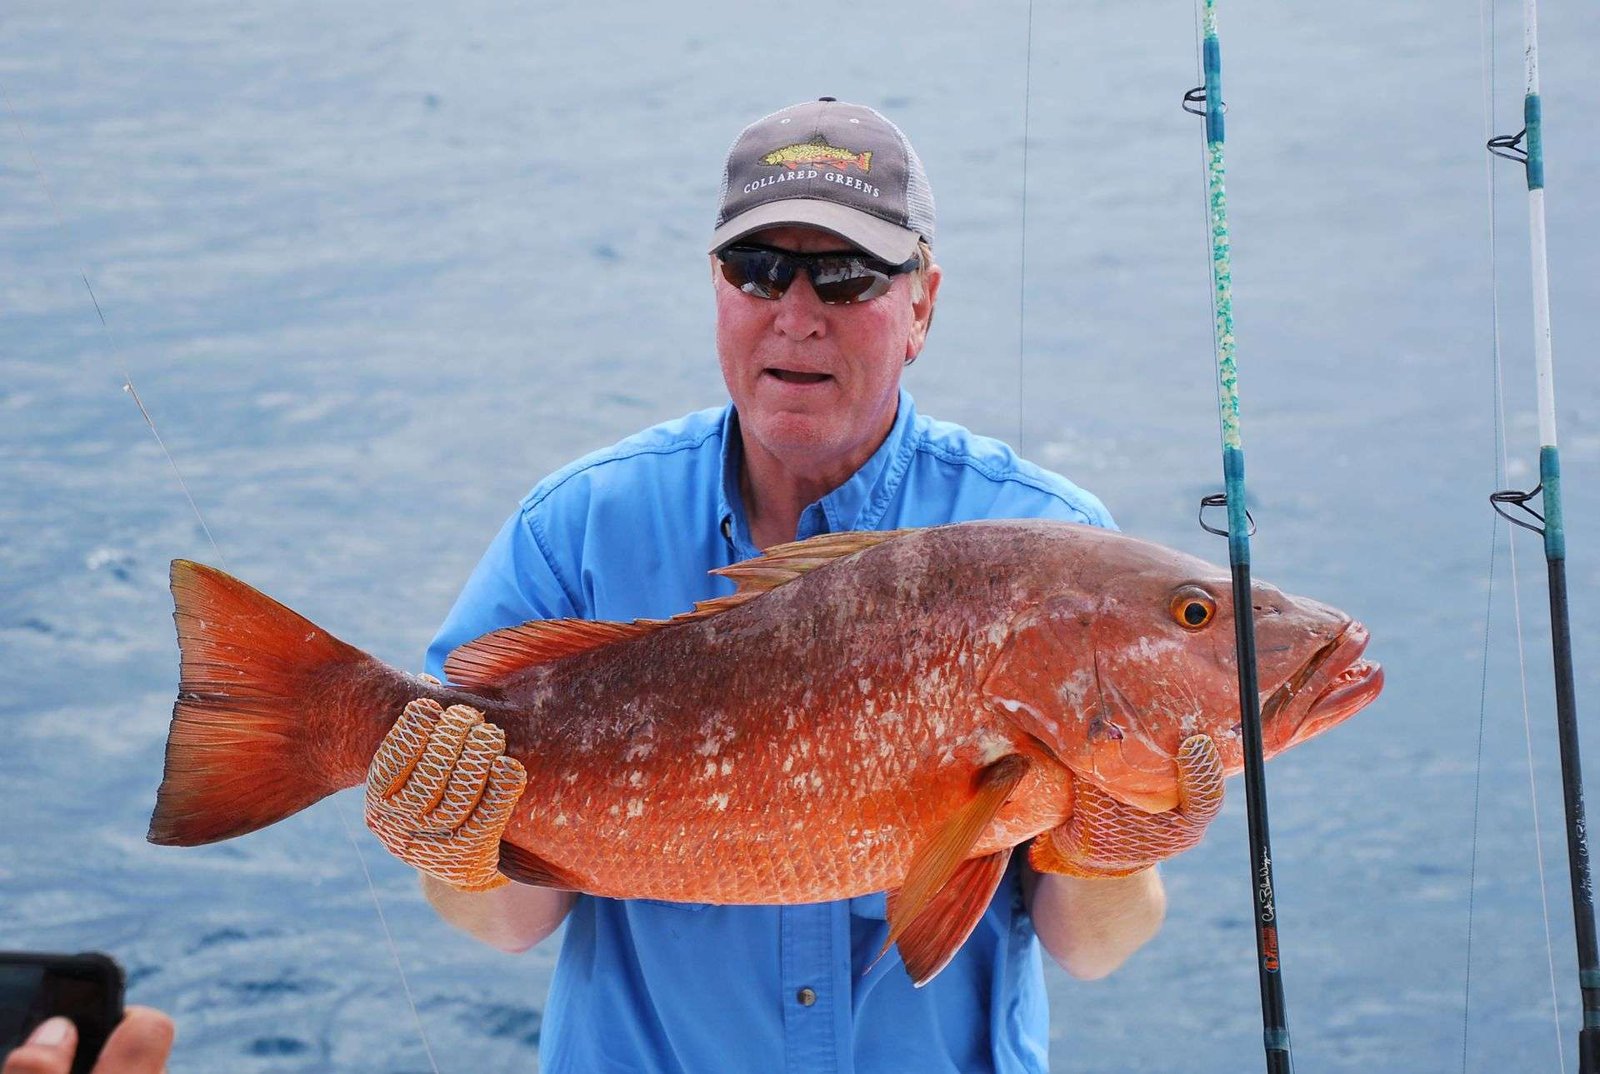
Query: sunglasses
{"x": 837, "y": 278}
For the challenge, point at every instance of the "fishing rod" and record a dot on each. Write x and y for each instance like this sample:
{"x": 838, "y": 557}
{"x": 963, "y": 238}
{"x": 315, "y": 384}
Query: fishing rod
{"x": 1527, "y": 148}
{"x": 1206, "y": 100}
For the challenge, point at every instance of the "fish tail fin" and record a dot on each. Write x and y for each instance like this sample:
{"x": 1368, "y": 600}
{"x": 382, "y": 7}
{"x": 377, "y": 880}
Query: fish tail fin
{"x": 269, "y": 717}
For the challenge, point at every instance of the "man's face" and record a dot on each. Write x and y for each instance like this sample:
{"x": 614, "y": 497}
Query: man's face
{"x": 816, "y": 384}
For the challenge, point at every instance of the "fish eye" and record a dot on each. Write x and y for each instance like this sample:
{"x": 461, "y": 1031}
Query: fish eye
{"x": 1192, "y": 607}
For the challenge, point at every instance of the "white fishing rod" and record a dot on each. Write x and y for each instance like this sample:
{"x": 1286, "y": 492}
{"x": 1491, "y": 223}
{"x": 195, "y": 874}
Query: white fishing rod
{"x": 1527, "y": 148}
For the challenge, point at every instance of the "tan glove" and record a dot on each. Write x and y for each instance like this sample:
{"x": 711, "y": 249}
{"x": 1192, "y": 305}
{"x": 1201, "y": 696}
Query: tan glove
{"x": 1106, "y": 838}
{"x": 440, "y": 792}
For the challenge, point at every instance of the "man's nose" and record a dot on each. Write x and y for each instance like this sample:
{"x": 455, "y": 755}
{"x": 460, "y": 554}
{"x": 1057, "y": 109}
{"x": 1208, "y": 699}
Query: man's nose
{"x": 801, "y": 314}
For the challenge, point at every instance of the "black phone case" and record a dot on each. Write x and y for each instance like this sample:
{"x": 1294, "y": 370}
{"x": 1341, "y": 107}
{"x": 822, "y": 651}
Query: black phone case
{"x": 96, "y": 1014}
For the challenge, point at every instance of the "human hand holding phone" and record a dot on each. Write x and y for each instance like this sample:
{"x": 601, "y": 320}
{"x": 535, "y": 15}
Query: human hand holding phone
{"x": 140, "y": 1044}
{"x": 63, "y": 1014}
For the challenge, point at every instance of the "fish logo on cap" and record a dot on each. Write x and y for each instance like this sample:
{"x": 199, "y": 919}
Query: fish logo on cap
{"x": 814, "y": 153}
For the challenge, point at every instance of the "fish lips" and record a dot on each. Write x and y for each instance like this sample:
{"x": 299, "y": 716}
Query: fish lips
{"x": 1332, "y": 686}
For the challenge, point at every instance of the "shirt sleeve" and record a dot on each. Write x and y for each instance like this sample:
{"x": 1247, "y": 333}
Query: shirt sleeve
{"x": 513, "y": 583}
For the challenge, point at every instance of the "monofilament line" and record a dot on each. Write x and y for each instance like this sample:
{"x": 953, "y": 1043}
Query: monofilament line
{"x": 127, "y": 386}
{"x": 1022, "y": 239}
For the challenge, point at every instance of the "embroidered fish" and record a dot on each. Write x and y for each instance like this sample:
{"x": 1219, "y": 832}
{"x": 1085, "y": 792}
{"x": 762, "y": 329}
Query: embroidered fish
{"x": 806, "y": 154}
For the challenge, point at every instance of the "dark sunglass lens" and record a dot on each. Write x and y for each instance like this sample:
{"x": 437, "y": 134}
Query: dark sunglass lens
{"x": 762, "y": 273}
{"x": 847, "y": 279}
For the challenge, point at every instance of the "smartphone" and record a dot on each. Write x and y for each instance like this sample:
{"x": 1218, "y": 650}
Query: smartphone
{"x": 86, "y": 988}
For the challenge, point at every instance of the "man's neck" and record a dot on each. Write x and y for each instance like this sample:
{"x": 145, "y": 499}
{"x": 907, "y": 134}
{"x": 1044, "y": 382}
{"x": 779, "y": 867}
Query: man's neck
{"x": 776, "y": 494}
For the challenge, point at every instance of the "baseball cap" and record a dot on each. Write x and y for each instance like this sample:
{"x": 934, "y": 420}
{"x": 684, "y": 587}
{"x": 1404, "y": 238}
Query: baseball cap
{"x": 827, "y": 164}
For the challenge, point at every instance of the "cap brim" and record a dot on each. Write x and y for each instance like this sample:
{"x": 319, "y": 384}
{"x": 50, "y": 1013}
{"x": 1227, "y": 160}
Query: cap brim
{"x": 883, "y": 240}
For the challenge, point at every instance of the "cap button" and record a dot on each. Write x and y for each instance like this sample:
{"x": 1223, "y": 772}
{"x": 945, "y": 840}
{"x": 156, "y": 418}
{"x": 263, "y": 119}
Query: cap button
{"x": 827, "y": 98}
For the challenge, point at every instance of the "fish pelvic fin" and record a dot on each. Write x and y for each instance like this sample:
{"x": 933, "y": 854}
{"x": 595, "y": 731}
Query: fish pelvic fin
{"x": 929, "y": 943}
{"x": 255, "y": 732}
{"x": 938, "y": 863}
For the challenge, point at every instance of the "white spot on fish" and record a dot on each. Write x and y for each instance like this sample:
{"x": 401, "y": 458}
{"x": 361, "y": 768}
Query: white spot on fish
{"x": 788, "y": 763}
{"x": 1010, "y": 705}
{"x": 710, "y": 770}
{"x": 636, "y": 808}
{"x": 638, "y": 751}
{"x": 636, "y": 778}
{"x": 718, "y": 801}
{"x": 727, "y": 766}
{"x": 864, "y": 685}
{"x": 560, "y": 820}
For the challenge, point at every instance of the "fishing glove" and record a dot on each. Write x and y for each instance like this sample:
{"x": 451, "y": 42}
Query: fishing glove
{"x": 1106, "y": 838}
{"x": 440, "y": 791}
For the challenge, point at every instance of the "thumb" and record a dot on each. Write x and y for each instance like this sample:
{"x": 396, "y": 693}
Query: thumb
{"x": 48, "y": 1049}
{"x": 1200, "y": 777}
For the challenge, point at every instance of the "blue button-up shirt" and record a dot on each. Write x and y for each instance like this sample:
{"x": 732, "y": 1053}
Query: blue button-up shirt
{"x": 644, "y": 986}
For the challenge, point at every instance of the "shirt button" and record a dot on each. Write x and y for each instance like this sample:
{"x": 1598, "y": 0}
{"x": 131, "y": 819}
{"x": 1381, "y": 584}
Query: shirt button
{"x": 806, "y": 996}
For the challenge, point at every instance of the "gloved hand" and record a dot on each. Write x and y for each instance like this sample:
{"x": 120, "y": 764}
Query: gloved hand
{"x": 1106, "y": 838}
{"x": 440, "y": 791}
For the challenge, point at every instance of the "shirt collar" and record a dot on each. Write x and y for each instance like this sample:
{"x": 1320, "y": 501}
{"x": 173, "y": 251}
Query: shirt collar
{"x": 856, "y": 504}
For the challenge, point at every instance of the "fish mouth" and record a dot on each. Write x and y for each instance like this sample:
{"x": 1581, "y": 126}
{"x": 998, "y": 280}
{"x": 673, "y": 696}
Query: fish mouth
{"x": 1332, "y": 686}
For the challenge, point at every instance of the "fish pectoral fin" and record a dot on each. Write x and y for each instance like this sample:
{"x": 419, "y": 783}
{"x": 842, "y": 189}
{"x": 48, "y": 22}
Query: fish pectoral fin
{"x": 929, "y": 943}
{"x": 526, "y": 867}
{"x": 935, "y": 864}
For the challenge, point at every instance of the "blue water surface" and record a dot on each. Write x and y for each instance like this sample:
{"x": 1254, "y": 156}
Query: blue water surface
{"x": 375, "y": 268}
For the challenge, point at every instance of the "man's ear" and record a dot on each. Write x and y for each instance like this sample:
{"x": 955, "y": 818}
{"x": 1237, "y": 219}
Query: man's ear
{"x": 922, "y": 311}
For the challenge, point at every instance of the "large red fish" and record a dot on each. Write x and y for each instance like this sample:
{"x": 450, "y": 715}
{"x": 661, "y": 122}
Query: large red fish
{"x": 870, "y": 711}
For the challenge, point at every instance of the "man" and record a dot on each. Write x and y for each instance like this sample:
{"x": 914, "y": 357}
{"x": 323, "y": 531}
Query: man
{"x": 825, "y": 287}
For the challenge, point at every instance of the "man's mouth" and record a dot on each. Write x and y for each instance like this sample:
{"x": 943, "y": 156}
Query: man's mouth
{"x": 795, "y": 376}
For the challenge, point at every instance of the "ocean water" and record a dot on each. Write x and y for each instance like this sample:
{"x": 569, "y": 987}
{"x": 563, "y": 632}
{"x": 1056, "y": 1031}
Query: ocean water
{"x": 374, "y": 269}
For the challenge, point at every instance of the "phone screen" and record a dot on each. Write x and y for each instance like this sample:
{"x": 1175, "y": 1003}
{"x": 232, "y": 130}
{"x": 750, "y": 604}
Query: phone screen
{"x": 85, "y": 988}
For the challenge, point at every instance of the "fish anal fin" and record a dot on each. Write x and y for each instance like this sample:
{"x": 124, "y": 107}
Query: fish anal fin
{"x": 934, "y": 864}
{"x": 526, "y": 867}
{"x": 492, "y": 659}
{"x": 929, "y": 943}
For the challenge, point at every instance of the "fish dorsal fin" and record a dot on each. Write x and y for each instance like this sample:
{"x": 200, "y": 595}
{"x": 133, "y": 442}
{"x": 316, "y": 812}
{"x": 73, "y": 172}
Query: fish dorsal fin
{"x": 778, "y": 565}
{"x": 495, "y": 657}
{"x": 492, "y": 659}
{"x": 786, "y": 562}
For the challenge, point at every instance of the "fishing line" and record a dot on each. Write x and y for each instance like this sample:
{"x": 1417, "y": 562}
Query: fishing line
{"x": 1022, "y": 238}
{"x": 127, "y": 386}
{"x": 116, "y": 352}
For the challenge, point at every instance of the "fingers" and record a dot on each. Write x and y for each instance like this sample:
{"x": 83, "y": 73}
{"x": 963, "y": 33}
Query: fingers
{"x": 1200, "y": 780}
{"x": 507, "y": 779}
{"x": 48, "y": 1050}
{"x": 470, "y": 775}
{"x": 402, "y": 747}
{"x": 140, "y": 1045}
{"x": 425, "y": 786}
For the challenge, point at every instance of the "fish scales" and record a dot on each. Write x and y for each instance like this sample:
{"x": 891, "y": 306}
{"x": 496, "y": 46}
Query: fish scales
{"x": 888, "y": 743}
{"x": 866, "y": 707}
